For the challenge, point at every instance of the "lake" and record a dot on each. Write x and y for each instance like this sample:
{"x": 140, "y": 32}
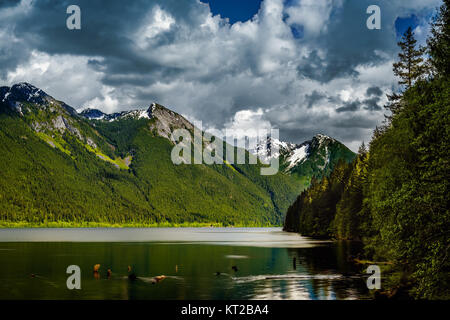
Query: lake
{"x": 197, "y": 262}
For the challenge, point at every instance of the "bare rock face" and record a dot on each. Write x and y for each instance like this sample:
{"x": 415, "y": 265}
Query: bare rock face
{"x": 91, "y": 143}
{"x": 23, "y": 97}
{"x": 36, "y": 126}
{"x": 166, "y": 121}
{"x": 73, "y": 130}
{"x": 59, "y": 124}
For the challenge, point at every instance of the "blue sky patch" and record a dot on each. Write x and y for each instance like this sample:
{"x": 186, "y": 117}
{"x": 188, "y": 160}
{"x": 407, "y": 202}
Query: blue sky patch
{"x": 403, "y": 23}
{"x": 234, "y": 10}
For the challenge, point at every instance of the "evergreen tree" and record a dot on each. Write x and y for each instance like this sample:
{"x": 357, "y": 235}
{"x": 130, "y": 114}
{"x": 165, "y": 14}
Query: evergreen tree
{"x": 362, "y": 149}
{"x": 395, "y": 197}
{"x": 411, "y": 66}
{"x": 439, "y": 42}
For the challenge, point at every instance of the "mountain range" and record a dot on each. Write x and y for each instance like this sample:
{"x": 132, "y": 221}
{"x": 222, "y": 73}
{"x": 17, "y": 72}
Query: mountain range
{"x": 58, "y": 165}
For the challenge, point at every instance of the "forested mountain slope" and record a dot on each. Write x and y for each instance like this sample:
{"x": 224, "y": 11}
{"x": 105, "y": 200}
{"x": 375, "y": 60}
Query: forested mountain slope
{"x": 60, "y": 166}
{"x": 394, "y": 196}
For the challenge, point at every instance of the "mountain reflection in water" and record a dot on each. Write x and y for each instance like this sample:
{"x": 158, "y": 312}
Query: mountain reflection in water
{"x": 198, "y": 263}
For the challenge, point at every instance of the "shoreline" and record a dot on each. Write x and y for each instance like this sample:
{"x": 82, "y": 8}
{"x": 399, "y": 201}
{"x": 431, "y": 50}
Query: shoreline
{"x": 93, "y": 225}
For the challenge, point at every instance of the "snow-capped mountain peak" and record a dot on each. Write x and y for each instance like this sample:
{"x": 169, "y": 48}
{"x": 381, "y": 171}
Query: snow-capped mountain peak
{"x": 321, "y": 138}
{"x": 270, "y": 148}
{"x": 317, "y": 154}
{"x": 167, "y": 119}
{"x": 95, "y": 114}
{"x": 20, "y": 94}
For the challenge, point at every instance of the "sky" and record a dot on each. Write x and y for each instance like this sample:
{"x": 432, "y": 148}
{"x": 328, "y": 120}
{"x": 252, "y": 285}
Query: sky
{"x": 302, "y": 66}
{"x": 234, "y": 10}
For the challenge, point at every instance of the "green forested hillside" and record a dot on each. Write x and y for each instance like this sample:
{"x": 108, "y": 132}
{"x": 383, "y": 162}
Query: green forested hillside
{"x": 40, "y": 183}
{"x": 324, "y": 155}
{"x": 395, "y": 195}
{"x": 58, "y": 168}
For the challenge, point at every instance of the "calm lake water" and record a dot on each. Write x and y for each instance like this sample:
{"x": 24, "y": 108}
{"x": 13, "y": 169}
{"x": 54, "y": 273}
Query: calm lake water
{"x": 190, "y": 258}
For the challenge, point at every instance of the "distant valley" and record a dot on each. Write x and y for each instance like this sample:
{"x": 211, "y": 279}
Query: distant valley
{"x": 68, "y": 168}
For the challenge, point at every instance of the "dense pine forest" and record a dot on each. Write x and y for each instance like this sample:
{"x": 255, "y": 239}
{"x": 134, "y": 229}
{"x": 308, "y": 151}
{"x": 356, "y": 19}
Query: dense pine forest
{"x": 394, "y": 195}
{"x": 70, "y": 184}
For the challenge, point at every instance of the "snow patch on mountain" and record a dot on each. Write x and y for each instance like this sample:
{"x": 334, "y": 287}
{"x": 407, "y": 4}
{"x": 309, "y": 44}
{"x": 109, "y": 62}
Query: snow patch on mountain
{"x": 299, "y": 155}
{"x": 142, "y": 114}
{"x": 6, "y": 96}
{"x": 19, "y": 94}
{"x": 95, "y": 114}
{"x": 294, "y": 155}
{"x": 271, "y": 148}
{"x": 92, "y": 114}
{"x": 167, "y": 120}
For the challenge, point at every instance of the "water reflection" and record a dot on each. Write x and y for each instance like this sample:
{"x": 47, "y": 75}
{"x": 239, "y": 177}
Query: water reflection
{"x": 192, "y": 270}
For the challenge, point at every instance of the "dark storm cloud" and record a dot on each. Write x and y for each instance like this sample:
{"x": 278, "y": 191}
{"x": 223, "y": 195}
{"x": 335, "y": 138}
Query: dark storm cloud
{"x": 11, "y": 56}
{"x": 106, "y": 29}
{"x": 327, "y": 68}
{"x": 354, "y": 122}
{"x": 297, "y": 135}
{"x": 349, "y": 43}
{"x": 129, "y": 54}
{"x": 313, "y": 98}
{"x": 372, "y": 104}
{"x": 345, "y": 129}
{"x": 8, "y": 3}
{"x": 105, "y": 32}
{"x": 374, "y": 91}
{"x": 349, "y": 106}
